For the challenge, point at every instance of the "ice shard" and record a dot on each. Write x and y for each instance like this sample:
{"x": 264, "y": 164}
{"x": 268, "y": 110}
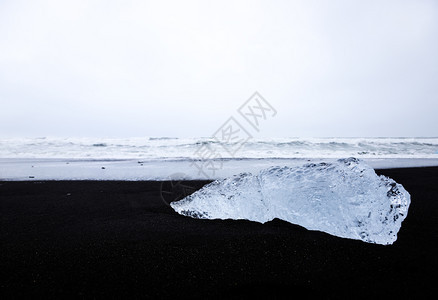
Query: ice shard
{"x": 345, "y": 198}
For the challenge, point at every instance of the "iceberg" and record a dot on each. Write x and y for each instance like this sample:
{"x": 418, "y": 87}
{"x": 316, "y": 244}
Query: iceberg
{"x": 345, "y": 198}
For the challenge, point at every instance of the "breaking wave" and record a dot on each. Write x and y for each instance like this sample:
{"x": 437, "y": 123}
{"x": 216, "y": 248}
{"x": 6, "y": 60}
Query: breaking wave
{"x": 188, "y": 148}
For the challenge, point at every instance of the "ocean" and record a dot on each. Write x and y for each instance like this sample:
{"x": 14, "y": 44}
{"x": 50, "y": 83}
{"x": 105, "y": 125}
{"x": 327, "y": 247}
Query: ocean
{"x": 158, "y": 158}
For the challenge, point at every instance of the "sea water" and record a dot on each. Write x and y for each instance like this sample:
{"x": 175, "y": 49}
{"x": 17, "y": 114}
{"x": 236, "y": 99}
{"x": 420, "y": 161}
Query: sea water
{"x": 158, "y": 158}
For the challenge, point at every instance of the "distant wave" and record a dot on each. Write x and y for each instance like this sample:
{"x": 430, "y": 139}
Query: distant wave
{"x": 162, "y": 138}
{"x": 100, "y": 145}
{"x": 175, "y": 148}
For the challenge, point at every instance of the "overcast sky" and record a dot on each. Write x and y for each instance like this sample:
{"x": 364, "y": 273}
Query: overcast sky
{"x": 182, "y": 68}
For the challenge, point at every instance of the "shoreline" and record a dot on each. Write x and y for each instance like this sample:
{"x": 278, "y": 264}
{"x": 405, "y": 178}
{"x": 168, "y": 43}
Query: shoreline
{"x": 156, "y": 170}
{"x": 99, "y": 239}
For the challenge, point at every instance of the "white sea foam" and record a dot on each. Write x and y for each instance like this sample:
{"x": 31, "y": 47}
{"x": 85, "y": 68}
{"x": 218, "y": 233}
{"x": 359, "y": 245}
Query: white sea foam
{"x": 185, "y": 148}
{"x": 157, "y": 158}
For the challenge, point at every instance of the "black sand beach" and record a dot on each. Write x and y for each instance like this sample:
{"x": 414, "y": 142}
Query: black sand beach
{"x": 99, "y": 239}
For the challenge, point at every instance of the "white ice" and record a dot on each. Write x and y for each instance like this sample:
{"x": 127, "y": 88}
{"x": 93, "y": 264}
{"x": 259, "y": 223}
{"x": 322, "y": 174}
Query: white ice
{"x": 344, "y": 198}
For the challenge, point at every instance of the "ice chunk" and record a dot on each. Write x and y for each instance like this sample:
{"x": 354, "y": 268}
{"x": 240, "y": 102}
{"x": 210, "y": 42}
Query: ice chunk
{"x": 345, "y": 198}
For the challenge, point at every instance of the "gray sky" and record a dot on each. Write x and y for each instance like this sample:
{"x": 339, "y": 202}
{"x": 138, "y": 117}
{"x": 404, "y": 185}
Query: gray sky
{"x": 181, "y": 68}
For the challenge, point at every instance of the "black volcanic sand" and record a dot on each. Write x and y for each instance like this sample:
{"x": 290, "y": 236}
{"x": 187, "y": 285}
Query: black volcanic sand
{"x": 94, "y": 239}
